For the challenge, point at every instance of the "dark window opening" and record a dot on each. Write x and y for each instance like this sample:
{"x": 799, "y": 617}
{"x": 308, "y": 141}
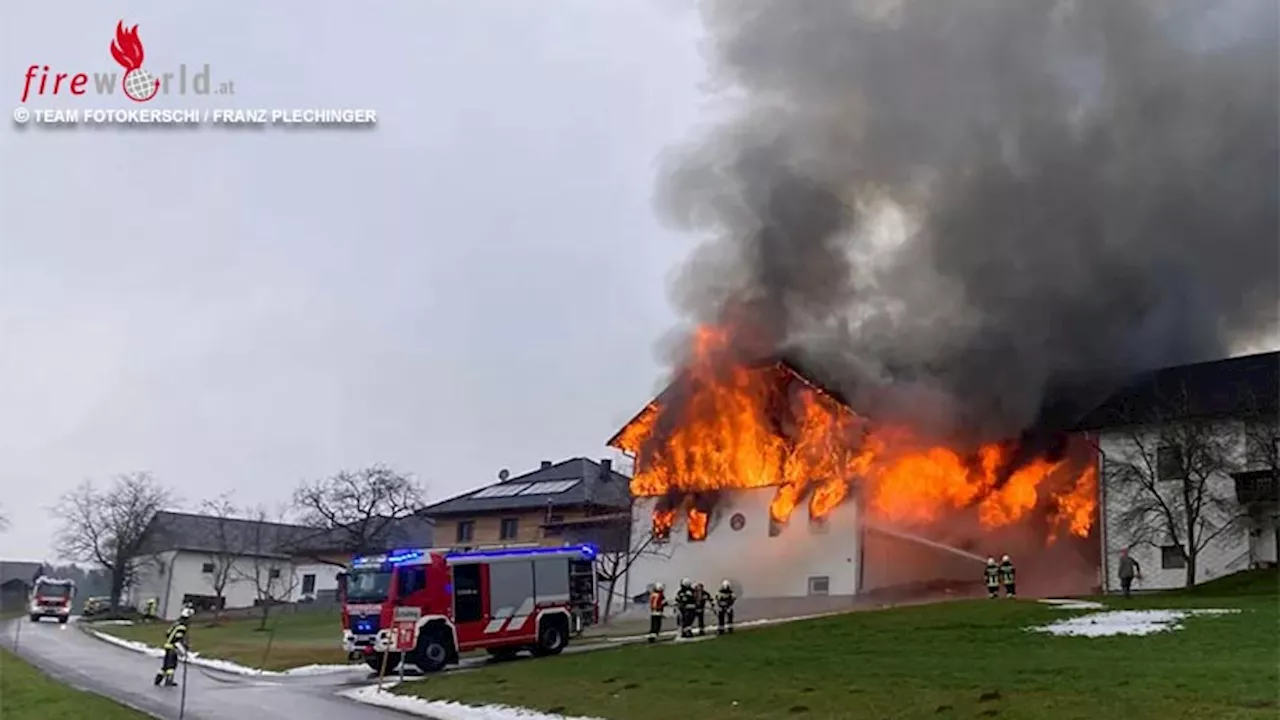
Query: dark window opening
{"x": 1172, "y": 557}
{"x": 1169, "y": 463}
{"x": 308, "y": 584}
{"x": 466, "y": 530}
{"x": 510, "y": 529}
{"x": 207, "y": 568}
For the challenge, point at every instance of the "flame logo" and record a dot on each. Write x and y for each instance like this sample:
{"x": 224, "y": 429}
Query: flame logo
{"x": 127, "y": 50}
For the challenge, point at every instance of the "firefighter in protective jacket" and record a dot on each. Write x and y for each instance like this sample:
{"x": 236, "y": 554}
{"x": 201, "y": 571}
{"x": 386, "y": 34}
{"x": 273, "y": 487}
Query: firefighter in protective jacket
{"x": 686, "y": 603}
{"x": 174, "y": 640}
{"x": 657, "y": 605}
{"x": 1006, "y": 575}
{"x": 992, "y": 577}
{"x": 701, "y": 599}
{"x": 724, "y": 608}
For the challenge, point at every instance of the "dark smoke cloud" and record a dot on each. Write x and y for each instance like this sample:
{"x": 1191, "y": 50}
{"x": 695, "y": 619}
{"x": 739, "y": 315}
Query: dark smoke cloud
{"x": 1091, "y": 188}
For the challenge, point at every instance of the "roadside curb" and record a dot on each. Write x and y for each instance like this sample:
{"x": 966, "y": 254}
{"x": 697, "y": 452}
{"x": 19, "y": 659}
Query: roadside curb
{"x": 444, "y": 710}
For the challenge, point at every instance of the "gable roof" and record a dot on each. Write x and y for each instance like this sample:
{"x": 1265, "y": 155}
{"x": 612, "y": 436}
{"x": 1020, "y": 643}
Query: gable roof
{"x": 208, "y": 534}
{"x": 595, "y": 486}
{"x": 14, "y": 570}
{"x": 1238, "y": 386}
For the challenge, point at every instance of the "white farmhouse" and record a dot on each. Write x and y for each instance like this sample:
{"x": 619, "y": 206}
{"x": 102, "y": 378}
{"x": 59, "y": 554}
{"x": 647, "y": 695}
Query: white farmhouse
{"x": 228, "y": 563}
{"x": 1201, "y": 437}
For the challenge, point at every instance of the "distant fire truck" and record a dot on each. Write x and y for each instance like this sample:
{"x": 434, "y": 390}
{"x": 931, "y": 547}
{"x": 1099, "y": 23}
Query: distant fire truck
{"x": 52, "y": 598}
{"x": 424, "y": 607}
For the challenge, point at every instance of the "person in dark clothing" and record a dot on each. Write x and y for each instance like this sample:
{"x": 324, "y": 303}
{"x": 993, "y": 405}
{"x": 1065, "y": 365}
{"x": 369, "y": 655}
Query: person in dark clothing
{"x": 657, "y": 605}
{"x": 724, "y": 608}
{"x": 1007, "y": 576}
{"x": 1128, "y": 570}
{"x": 174, "y": 640}
{"x": 701, "y": 599}
{"x": 992, "y": 577}
{"x": 686, "y": 602}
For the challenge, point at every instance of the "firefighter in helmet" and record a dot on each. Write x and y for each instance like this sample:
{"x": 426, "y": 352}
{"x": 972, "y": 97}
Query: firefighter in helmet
{"x": 657, "y": 605}
{"x": 174, "y": 640}
{"x": 1006, "y": 576}
{"x": 149, "y": 610}
{"x": 992, "y": 576}
{"x": 724, "y": 608}
{"x": 701, "y": 599}
{"x": 686, "y": 603}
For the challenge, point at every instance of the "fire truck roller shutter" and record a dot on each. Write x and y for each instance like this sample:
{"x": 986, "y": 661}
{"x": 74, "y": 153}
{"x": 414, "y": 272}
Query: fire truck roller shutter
{"x": 511, "y": 597}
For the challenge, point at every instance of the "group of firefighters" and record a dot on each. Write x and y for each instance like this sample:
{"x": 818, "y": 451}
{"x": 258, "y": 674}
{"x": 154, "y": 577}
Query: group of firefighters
{"x": 997, "y": 575}
{"x": 691, "y": 602}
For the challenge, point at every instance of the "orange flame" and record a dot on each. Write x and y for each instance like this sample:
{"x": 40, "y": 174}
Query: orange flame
{"x": 724, "y": 433}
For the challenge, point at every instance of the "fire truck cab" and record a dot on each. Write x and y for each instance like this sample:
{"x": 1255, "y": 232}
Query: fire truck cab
{"x": 51, "y": 597}
{"x": 501, "y": 600}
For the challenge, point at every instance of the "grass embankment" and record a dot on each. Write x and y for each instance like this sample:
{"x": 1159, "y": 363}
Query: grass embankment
{"x": 969, "y": 659}
{"x": 290, "y": 640}
{"x": 28, "y": 694}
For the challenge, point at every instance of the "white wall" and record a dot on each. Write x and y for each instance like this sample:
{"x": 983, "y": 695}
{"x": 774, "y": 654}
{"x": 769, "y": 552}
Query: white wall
{"x": 1228, "y": 553}
{"x": 170, "y": 576}
{"x": 326, "y": 577}
{"x": 760, "y": 566}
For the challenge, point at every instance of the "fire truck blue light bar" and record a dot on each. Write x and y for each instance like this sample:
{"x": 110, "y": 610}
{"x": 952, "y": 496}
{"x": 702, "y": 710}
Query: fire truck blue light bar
{"x": 587, "y": 551}
{"x": 394, "y": 558}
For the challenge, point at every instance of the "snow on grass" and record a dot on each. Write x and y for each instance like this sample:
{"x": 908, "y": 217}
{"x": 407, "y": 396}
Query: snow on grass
{"x": 711, "y": 628}
{"x": 442, "y": 710}
{"x": 1073, "y": 604}
{"x": 1125, "y": 622}
{"x": 225, "y": 665}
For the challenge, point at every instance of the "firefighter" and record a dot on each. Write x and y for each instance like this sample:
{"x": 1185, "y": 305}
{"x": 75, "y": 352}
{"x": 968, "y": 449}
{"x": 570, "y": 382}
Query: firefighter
{"x": 1006, "y": 575}
{"x": 701, "y": 599}
{"x": 657, "y": 604}
{"x": 724, "y": 608}
{"x": 686, "y": 602}
{"x": 176, "y": 638}
{"x": 993, "y": 578}
{"x": 149, "y": 610}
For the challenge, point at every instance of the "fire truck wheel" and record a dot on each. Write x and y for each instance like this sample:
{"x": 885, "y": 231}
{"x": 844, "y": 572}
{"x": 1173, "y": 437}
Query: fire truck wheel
{"x": 62, "y": 620}
{"x": 432, "y": 653}
{"x": 553, "y": 635}
{"x": 35, "y": 618}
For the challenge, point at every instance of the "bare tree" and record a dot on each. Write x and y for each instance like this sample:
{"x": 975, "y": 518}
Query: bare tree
{"x": 266, "y": 564}
{"x": 358, "y": 507}
{"x": 108, "y": 527}
{"x": 1170, "y": 472}
{"x": 227, "y": 547}
{"x": 619, "y": 554}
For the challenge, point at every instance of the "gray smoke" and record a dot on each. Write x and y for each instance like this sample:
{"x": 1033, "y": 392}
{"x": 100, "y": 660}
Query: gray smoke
{"x": 1091, "y": 188}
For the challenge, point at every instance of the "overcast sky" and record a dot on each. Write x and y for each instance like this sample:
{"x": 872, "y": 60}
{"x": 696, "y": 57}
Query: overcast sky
{"x": 478, "y": 283}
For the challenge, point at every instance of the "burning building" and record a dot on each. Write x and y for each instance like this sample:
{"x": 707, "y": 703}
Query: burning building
{"x": 750, "y": 469}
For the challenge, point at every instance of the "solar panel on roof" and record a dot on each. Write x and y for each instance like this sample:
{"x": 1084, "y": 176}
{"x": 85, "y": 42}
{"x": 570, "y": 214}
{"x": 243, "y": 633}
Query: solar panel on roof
{"x": 550, "y": 487}
{"x": 501, "y": 490}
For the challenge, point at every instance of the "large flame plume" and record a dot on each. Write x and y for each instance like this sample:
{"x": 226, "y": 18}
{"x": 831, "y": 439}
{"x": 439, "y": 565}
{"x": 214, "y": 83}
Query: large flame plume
{"x": 729, "y": 424}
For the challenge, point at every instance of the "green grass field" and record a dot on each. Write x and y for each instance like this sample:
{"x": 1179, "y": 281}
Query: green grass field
{"x": 971, "y": 659}
{"x": 28, "y": 694}
{"x": 291, "y": 639}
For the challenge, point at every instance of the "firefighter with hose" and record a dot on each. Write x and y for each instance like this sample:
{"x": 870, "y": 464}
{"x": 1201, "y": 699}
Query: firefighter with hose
{"x": 174, "y": 640}
{"x": 701, "y": 599}
{"x": 686, "y": 604}
{"x": 992, "y": 576}
{"x": 657, "y": 606}
{"x": 724, "y": 608}
{"x": 1007, "y": 576}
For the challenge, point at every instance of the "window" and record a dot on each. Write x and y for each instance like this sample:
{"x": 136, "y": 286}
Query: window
{"x": 819, "y": 585}
{"x": 510, "y": 528}
{"x": 1172, "y": 557}
{"x": 775, "y": 528}
{"x": 274, "y": 574}
{"x": 207, "y": 568}
{"x": 1169, "y": 463}
{"x": 554, "y": 528}
{"x": 410, "y": 579}
{"x": 308, "y": 584}
{"x": 466, "y": 530}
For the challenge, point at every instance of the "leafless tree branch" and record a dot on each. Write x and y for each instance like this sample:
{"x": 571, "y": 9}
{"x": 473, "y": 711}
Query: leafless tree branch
{"x": 228, "y": 545}
{"x": 264, "y": 564}
{"x": 358, "y": 507}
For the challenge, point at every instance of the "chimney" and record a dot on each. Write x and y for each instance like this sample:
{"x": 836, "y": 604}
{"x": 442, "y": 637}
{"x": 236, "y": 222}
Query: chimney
{"x": 545, "y": 464}
{"x": 606, "y": 469}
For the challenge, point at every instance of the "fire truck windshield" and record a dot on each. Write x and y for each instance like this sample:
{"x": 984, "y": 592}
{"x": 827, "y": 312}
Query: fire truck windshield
{"x": 51, "y": 590}
{"x": 366, "y": 585}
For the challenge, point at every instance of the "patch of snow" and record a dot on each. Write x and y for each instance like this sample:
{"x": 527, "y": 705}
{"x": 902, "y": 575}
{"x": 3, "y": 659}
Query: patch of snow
{"x": 1073, "y": 604}
{"x": 737, "y": 626}
{"x": 226, "y": 665}
{"x": 442, "y": 710}
{"x": 1125, "y": 622}
{"x": 110, "y": 622}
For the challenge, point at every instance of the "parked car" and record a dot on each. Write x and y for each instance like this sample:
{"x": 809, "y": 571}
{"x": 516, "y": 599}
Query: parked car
{"x": 96, "y": 605}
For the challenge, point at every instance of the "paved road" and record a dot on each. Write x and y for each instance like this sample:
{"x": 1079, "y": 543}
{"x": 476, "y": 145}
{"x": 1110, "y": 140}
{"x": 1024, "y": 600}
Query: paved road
{"x": 78, "y": 659}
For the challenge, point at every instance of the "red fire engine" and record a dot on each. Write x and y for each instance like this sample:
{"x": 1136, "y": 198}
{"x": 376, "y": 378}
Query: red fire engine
{"x": 426, "y": 606}
{"x": 52, "y": 598}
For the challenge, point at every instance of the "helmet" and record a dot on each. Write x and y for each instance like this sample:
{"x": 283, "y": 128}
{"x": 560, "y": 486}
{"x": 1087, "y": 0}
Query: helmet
{"x": 726, "y": 585}
{"x": 686, "y": 582}
{"x": 187, "y": 612}
{"x": 1004, "y": 559}
{"x": 657, "y": 586}
{"x": 991, "y": 561}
